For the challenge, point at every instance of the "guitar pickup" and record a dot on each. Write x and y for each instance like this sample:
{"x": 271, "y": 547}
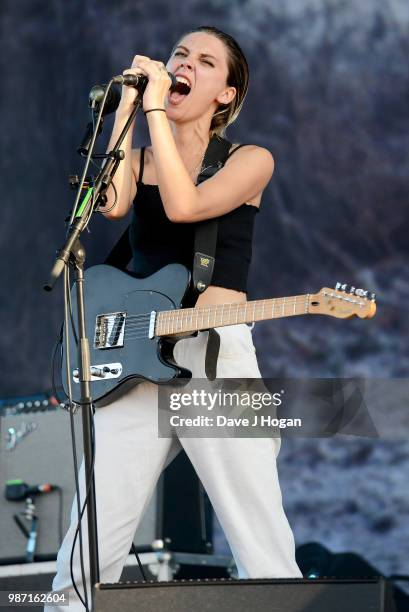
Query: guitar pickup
{"x": 110, "y": 330}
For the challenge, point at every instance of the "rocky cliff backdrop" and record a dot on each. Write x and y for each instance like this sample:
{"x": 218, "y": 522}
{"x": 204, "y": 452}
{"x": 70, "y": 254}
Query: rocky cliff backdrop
{"x": 329, "y": 97}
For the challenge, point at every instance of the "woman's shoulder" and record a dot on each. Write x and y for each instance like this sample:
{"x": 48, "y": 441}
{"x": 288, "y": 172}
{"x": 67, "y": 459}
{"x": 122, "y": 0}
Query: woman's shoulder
{"x": 251, "y": 153}
{"x": 248, "y": 148}
{"x": 249, "y": 159}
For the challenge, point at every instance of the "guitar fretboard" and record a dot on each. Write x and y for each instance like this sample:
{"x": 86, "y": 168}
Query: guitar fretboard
{"x": 217, "y": 315}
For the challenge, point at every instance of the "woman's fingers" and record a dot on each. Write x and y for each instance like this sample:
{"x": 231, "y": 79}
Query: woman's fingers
{"x": 148, "y": 66}
{"x": 158, "y": 81}
{"x": 138, "y": 58}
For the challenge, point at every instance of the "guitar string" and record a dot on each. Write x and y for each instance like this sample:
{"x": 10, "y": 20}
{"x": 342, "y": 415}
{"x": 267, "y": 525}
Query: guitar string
{"x": 138, "y": 327}
{"x": 142, "y": 330}
{"x": 216, "y": 306}
{"x": 134, "y": 322}
{"x": 141, "y": 325}
{"x": 131, "y": 321}
{"x": 287, "y": 301}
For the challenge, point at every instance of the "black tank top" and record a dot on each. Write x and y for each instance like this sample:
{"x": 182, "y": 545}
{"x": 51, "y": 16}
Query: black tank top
{"x": 156, "y": 241}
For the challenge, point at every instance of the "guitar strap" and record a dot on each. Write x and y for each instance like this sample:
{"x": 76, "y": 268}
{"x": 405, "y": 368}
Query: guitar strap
{"x": 206, "y": 231}
{"x": 205, "y": 246}
{"x": 204, "y": 249}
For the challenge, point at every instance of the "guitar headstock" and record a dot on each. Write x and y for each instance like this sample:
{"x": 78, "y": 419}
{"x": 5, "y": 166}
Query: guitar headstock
{"x": 343, "y": 302}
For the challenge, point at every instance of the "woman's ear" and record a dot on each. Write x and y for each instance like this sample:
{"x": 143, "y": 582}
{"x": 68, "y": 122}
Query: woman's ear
{"x": 227, "y": 95}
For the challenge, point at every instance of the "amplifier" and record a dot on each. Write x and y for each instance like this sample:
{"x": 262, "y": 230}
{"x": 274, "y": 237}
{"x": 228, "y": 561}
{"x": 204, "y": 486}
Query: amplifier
{"x": 36, "y": 448}
{"x": 269, "y": 595}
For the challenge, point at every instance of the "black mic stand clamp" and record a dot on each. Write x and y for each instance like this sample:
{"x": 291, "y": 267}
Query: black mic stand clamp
{"x": 73, "y": 253}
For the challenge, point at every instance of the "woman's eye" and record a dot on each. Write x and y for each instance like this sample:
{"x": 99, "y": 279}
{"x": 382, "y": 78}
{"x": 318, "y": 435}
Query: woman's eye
{"x": 184, "y": 55}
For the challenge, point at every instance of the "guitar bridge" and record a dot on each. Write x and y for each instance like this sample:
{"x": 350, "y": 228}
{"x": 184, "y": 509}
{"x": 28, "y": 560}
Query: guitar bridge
{"x": 110, "y": 330}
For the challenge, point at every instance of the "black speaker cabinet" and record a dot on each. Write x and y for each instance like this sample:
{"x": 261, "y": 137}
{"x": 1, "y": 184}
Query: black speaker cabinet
{"x": 275, "y": 595}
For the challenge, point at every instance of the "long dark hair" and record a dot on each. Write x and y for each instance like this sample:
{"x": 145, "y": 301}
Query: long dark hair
{"x": 238, "y": 77}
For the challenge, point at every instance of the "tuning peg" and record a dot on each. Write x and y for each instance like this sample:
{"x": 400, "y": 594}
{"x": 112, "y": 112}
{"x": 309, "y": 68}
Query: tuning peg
{"x": 340, "y": 287}
{"x": 361, "y": 293}
{"x": 372, "y": 296}
{"x": 351, "y": 289}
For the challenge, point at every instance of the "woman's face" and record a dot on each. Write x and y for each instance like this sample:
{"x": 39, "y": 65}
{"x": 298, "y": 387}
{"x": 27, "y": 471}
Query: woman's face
{"x": 202, "y": 59}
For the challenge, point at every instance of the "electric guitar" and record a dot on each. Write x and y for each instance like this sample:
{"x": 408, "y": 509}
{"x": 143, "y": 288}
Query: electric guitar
{"x": 133, "y": 324}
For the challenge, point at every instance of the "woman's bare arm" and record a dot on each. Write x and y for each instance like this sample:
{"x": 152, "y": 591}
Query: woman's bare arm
{"x": 246, "y": 175}
{"x": 124, "y": 179}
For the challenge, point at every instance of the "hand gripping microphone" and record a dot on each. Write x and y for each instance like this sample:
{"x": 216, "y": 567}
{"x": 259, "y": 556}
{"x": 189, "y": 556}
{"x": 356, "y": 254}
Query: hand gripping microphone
{"x": 139, "y": 81}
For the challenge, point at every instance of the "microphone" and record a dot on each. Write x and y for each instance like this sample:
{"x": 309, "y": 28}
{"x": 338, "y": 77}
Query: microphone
{"x": 17, "y": 490}
{"x": 140, "y": 81}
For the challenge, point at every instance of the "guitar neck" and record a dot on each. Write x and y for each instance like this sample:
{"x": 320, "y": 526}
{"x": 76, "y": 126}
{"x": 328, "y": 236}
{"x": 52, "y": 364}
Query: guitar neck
{"x": 218, "y": 315}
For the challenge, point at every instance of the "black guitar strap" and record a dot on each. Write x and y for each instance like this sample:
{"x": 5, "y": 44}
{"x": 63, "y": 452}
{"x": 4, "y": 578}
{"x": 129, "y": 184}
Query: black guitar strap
{"x": 205, "y": 246}
{"x": 206, "y": 231}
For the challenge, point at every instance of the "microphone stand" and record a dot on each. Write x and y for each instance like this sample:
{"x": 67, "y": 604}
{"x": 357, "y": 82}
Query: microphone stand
{"x": 73, "y": 253}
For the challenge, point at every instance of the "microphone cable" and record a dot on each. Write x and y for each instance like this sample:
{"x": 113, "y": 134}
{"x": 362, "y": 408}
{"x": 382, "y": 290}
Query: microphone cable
{"x": 88, "y": 159}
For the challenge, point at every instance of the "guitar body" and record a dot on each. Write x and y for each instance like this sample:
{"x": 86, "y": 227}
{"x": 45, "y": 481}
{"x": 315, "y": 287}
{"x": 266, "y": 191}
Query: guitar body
{"x": 118, "y": 322}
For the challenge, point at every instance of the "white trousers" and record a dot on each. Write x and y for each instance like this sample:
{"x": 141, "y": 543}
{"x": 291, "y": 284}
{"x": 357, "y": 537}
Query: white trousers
{"x": 239, "y": 475}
